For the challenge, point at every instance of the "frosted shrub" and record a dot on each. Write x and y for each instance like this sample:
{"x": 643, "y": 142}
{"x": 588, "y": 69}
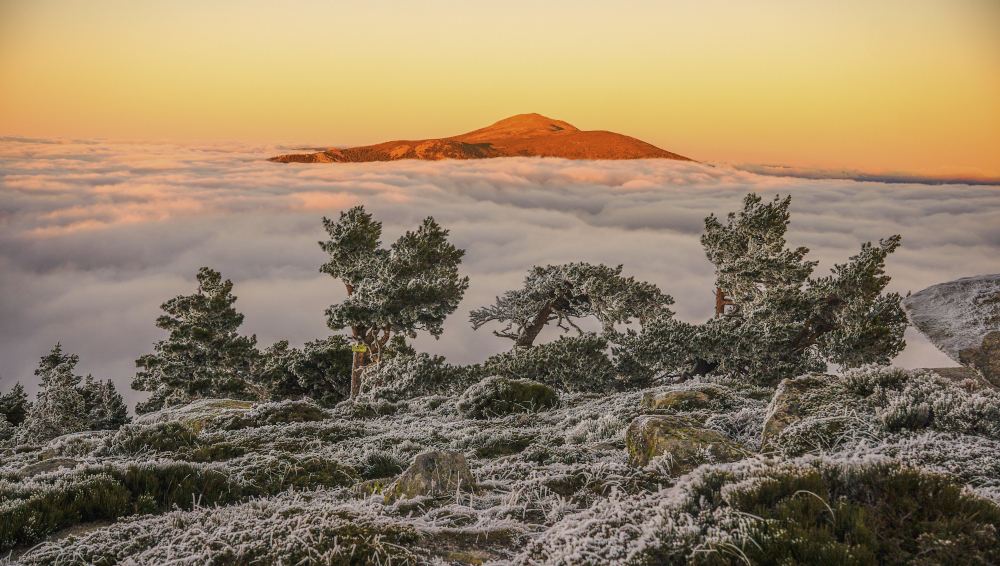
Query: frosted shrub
{"x": 570, "y": 364}
{"x": 498, "y": 396}
{"x": 404, "y": 376}
{"x": 291, "y": 529}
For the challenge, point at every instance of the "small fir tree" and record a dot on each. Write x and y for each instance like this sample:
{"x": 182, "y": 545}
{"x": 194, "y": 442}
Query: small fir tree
{"x": 14, "y": 406}
{"x": 104, "y": 407}
{"x": 414, "y": 285}
{"x": 59, "y": 407}
{"x": 562, "y": 293}
{"x": 204, "y": 356}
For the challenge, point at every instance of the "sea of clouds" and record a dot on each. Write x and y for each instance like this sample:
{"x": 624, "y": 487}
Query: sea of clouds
{"x": 95, "y": 235}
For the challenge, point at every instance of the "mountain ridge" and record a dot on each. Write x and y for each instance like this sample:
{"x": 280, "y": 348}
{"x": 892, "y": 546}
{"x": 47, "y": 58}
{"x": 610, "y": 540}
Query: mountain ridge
{"x": 523, "y": 135}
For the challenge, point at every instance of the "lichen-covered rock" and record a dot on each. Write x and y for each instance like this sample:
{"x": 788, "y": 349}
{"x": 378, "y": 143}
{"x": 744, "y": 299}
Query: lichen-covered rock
{"x": 676, "y": 401}
{"x": 790, "y": 404}
{"x": 962, "y": 318}
{"x": 497, "y": 396}
{"x": 434, "y": 474}
{"x": 687, "y": 444}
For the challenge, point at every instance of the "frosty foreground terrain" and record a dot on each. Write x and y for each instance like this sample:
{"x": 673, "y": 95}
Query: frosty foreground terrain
{"x": 870, "y": 466}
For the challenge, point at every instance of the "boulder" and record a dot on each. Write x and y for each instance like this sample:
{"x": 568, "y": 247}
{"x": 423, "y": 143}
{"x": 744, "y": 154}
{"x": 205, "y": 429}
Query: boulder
{"x": 962, "y": 318}
{"x": 682, "y": 438}
{"x": 498, "y": 396}
{"x": 676, "y": 401}
{"x": 432, "y": 474}
{"x": 791, "y": 402}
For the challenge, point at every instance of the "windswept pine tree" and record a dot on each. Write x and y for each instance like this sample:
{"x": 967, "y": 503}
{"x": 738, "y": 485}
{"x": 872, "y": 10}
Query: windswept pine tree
{"x": 59, "y": 408}
{"x": 414, "y": 285}
{"x": 773, "y": 320}
{"x": 204, "y": 356}
{"x": 562, "y": 293}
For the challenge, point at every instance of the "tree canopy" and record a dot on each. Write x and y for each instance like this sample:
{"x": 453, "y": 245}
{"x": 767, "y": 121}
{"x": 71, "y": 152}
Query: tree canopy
{"x": 205, "y": 355}
{"x": 562, "y": 293}
{"x": 411, "y": 286}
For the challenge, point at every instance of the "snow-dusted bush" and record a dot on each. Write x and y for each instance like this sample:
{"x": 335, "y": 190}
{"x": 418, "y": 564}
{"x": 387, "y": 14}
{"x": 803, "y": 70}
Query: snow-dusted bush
{"x": 34, "y": 507}
{"x": 570, "y": 364}
{"x": 404, "y": 376}
{"x": 59, "y": 408}
{"x": 291, "y": 529}
{"x": 496, "y": 396}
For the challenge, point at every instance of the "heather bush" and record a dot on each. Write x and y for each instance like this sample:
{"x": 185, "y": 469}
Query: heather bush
{"x": 35, "y": 507}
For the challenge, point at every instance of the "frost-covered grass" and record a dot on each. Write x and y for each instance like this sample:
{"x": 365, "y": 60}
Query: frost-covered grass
{"x": 222, "y": 482}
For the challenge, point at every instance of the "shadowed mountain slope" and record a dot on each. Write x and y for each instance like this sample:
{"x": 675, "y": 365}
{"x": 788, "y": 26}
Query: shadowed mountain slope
{"x": 524, "y": 135}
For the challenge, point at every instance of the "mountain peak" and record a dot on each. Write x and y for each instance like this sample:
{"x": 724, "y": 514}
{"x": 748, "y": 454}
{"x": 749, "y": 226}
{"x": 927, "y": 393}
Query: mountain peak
{"x": 520, "y": 126}
{"x": 523, "y": 135}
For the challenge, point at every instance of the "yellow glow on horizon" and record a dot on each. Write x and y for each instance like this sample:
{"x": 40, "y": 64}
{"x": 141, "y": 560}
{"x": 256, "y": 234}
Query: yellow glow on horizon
{"x": 901, "y": 84}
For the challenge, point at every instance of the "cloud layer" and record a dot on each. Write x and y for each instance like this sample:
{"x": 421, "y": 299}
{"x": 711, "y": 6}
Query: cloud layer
{"x": 95, "y": 235}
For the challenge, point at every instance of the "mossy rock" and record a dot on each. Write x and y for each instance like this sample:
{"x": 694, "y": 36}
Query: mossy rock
{"x": 686, "y": 400}
{"x": 432, "y": 474}
{"x": 687, "y": 444}
{"x": 498, "y": 396}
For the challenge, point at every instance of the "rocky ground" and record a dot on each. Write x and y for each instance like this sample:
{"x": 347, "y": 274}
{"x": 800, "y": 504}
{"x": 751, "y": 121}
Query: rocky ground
{"x": 875, "y": 466}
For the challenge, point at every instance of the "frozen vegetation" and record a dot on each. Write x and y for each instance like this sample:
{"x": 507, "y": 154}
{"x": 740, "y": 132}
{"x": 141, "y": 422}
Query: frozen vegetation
{"x": 664, "y": 442}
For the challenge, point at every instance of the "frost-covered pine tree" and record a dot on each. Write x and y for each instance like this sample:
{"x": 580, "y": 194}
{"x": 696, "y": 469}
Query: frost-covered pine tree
{"x": 204, "y": 356}
{"x": 14, "y": 405}
{"x": 59, "y": 407}
{"x": 104, "y": 407}
{"x": 775, "y": 320}
{"x": 414, "y": 285}
{"x": 562, "y": 293}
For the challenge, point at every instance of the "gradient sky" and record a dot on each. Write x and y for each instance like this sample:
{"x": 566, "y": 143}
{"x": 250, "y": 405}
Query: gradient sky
{"x": 908, "y": 85}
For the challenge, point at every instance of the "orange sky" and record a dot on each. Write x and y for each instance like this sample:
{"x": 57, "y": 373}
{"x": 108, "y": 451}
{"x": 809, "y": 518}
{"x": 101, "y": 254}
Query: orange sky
{"x": 875, "y": 84}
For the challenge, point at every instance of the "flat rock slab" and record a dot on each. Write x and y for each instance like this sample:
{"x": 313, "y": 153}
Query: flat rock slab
{"x": 683, "y": 439}
{"x": 962, "y": 318}
{"x": 432, "y": 474}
